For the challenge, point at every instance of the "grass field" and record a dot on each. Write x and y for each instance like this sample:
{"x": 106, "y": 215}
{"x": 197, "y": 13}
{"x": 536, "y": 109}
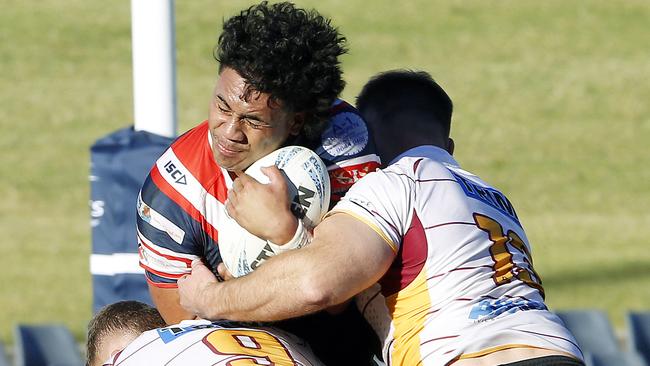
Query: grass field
{"x": 551, "y": 105}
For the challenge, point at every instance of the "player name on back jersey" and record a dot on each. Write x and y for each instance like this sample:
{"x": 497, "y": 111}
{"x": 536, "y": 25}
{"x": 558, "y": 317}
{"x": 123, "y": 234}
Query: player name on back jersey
{"x": 462, "y": 284}
{"x": 200, "y": 342}
{"x": 181, "y": 204}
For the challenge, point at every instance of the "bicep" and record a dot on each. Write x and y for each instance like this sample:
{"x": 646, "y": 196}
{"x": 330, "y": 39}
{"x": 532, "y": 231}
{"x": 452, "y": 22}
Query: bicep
{"x": 351, "y": 252}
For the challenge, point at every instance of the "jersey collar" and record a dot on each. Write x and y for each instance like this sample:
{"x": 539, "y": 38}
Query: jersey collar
{"x": 429, "y": 151}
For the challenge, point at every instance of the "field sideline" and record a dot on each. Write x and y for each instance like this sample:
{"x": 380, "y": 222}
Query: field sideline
{"x": 551, "y": 106}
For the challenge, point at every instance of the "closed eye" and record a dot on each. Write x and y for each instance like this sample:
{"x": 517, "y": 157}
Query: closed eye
{"x": 222, "y": 105}
{"x": 256, "y": 123}
{"x": 222, "y": 109}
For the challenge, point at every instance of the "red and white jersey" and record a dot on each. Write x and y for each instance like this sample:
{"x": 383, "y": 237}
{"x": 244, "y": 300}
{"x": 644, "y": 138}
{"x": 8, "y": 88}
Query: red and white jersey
{"x": 199, "y": 342}
{"x": 181, "y": 203}
{"x": 462, "y": 284}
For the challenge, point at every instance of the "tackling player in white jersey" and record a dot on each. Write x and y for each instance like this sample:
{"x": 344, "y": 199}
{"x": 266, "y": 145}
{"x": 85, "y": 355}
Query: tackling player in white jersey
{"x": 132, "y": 333}
{"x": 448, "y": 250}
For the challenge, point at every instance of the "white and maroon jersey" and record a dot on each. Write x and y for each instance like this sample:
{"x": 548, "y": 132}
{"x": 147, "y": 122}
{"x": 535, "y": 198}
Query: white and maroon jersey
{"x": 462, "y": 284}
{"x": 181, "y": 203}
{"x": 200, "y": 342}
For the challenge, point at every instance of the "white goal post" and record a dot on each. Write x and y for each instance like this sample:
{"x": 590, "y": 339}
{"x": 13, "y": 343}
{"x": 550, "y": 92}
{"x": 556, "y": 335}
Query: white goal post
{"x": 154, "y": 66}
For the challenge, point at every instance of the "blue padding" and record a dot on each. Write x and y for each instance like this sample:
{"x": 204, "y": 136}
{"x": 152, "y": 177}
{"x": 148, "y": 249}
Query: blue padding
{"x": 110, "y": 289}
{"x": 120, "y": 163}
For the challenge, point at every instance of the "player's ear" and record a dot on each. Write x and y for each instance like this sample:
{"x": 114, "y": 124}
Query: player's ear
{"x": 296, "y": 123}
{"x": 450, "y": 146}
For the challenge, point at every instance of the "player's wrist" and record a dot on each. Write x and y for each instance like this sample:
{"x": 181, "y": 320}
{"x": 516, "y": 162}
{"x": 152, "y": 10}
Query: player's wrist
{"x": 286, "y": 230}
{"x": 301, "y": 237}
{"x": 206, "y": 305}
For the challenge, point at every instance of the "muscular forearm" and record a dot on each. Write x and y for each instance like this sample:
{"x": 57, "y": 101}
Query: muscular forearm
{"x": 281, "y": 288}
{"x": 345, "y": 258}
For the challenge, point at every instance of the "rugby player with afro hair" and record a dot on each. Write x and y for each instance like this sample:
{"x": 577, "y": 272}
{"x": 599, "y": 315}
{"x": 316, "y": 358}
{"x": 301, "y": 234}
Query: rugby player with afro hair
{"x": 279, "y": 77}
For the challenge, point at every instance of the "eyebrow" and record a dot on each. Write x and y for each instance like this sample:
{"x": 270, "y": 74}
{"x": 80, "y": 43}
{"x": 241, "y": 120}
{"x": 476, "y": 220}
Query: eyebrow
{"x": 246, "y": 116}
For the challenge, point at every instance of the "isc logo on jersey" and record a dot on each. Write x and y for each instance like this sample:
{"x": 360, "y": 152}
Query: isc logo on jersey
{"x": 175, "y": 173}
{"x": 309, "y": 192}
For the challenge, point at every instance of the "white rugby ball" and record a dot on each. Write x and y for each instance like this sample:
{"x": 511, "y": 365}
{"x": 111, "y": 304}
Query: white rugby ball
{"x": 309, "y": 194}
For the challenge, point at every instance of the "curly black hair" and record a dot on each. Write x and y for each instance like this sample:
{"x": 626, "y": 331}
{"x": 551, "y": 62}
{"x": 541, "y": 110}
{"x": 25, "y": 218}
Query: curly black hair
{"x": 290, "y": 53}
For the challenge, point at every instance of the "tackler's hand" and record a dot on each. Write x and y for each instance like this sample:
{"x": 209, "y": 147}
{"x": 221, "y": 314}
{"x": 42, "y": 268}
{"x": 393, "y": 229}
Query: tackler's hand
{"x": 194, "y": 288}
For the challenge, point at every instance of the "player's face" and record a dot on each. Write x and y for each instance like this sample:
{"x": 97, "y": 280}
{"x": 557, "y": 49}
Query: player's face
{"x": 245, "y": 127}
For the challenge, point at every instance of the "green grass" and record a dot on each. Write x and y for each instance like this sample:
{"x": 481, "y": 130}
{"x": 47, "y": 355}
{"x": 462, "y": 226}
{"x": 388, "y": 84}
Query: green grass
{"x": 551, "y": 105}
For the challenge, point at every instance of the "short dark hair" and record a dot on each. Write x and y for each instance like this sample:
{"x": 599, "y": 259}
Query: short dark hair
{"x": 394, "y": 91}
{"x": 124, "y": 316}
{"x": 290, "y": 53}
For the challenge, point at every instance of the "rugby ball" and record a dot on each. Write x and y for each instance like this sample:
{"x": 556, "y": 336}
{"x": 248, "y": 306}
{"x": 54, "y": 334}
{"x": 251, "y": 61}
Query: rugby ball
{"x": 309, "y": 194}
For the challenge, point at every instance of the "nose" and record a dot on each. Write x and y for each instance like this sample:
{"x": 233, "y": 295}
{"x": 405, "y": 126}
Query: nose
{"x": 232, "y": 129}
